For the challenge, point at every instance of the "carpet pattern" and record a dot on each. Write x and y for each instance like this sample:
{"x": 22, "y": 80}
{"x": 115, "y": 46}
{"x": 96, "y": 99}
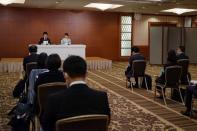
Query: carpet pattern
{"x": 126, "y": 115}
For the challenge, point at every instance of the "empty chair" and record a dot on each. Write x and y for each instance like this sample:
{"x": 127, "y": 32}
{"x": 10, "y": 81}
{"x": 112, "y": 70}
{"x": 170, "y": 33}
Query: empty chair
{"x": 138, "y": 71}
{"x": 172, "y": 78}
{"x": 45, "y": 90}
{"x": 94, "y": 122}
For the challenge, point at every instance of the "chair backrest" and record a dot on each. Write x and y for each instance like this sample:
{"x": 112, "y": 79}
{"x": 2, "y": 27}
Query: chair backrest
{"x": 29, "y": 67}
{"x": 45, "y": 90}
{"x": 184, "y": 63}
{"x": 172, "y": 75}
{"x": 139, "y": 67}
{"x": 94, "y": 122}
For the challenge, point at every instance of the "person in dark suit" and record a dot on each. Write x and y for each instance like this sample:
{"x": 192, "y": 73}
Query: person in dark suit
{"x": 180, "y": 51}
{"x": 53, "y": 63}
{"x": 32, "y": 57}
{"x": 44, "y": 40}
{"x": 77, "y": 99}
{"x": 171, "y": 61}
{"x": 135, "y": 56}
{"x": 190, "y": 90}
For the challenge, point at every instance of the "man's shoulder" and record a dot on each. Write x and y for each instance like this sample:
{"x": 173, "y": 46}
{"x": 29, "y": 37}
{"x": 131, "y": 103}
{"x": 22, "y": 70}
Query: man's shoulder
{"x": 97, "y": 92}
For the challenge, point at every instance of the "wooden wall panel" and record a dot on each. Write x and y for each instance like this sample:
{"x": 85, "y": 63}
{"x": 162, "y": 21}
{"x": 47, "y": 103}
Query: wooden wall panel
{"x": 21, "y": 26}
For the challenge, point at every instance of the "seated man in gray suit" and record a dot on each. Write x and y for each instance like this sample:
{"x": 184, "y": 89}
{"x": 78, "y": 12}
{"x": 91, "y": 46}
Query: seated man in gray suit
{"x": 77, "y": 99}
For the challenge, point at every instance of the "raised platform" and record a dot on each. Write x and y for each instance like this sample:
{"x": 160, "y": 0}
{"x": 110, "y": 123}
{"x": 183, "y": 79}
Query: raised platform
{"x": 15, "y": 64}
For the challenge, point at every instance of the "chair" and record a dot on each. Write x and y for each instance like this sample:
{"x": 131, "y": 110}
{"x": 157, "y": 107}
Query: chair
{"x": 172, "y": 77}
{"x": 138, "y": 70}
{"x": 93, "y": 122}
{"x": 45, "y": 90}
{"x": 184, "y": 63}
{"x": 29, "y": 67}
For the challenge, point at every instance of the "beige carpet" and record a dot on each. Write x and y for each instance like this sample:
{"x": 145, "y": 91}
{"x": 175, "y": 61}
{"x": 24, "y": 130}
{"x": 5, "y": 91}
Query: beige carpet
{"x": 126, "y": 115}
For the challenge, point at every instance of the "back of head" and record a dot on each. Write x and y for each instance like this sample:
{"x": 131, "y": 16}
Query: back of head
{"x": 172, "y": 56}
{"x": 135, "y": 49}
{"x": 32, "y": 49}
{"x": 75, "y": 66}
{"x": 41, "y": 60}
{"x": 53, "y": 62}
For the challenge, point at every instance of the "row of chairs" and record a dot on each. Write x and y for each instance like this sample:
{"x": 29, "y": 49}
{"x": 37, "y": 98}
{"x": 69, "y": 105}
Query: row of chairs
{"x": 173, "y": 74}
{"x": 94, "y": 122}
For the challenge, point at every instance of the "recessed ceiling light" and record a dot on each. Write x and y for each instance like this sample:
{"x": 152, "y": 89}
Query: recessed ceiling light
{"x": 179, "y": 11}
{"x": 103, "y": 6}
{"x": 6, "y": 2}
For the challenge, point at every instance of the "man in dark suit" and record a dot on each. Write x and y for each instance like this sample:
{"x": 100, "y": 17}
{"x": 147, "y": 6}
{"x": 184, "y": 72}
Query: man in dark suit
{"x": 32, "y": 57}
{"x": 44, "y": 40}
{"x": 180, "y": 51}
{"x": 135, "y": 55}
{"x": 77, "y": 99}
{"x": 190, "y": 91}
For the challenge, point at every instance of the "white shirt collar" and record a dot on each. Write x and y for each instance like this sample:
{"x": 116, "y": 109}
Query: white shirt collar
{"x": 76, "y": 82}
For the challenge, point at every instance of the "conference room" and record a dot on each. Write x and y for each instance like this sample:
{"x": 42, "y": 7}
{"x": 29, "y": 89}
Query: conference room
{"x": 98, "y": 65}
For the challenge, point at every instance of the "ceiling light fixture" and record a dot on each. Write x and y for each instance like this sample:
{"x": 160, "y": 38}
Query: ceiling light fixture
{"x": 7, "y": 2}
{"x": 179, "y": 11}
{"x": 103, "y": 6}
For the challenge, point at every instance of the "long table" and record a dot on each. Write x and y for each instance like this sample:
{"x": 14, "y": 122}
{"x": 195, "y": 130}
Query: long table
{"x": 63, "y": 50}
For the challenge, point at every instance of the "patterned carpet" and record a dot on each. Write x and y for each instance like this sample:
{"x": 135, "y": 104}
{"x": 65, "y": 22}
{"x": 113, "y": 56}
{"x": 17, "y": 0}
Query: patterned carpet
{"x": 126, "y": 115}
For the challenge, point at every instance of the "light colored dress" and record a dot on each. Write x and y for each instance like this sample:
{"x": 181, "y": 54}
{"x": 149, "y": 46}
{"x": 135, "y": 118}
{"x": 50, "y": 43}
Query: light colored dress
{"x": 66, "y": 41}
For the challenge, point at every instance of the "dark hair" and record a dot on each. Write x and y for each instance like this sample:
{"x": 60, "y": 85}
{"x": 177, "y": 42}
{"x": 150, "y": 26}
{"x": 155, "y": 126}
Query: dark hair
{"x": 172, "y": 56}
{"x": 182, "y": 48}
{"x": 135, "y": 49}
{"x": 41, "y": 60}
{"x": 33, "y": 49}
{"x": 75, "y": 66}
{"x": 66, "y": 34}
{"x": 45, "y": 33}
{"x": 53, "y": 62}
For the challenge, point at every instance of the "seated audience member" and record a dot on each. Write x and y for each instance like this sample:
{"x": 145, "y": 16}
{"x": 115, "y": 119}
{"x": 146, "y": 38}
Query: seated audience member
{"x": 53, "y": 64}
{"x": 32, "y": 57}
{"x": 171, "y": 61}
{"x": 77, "y": 99}
{"x": 180, "y": 51}
{"x": 191, "y": 90}
{"x": 41, "y": 67}
{"x": 135, "y": 55}
{"x": 66, "y": 40}
{"x": 44, "y": 40}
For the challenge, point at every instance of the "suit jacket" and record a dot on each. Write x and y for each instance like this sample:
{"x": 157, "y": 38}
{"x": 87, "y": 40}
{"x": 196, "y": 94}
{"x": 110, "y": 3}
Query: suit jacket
{"x": 42, "y": 39}
{"x": 76, "y": 100}
{"x": 182, "y": 56}
{"x": 49, "y": 77}
{"x": 138, "y": 56}
{"x": 28, "y": 59}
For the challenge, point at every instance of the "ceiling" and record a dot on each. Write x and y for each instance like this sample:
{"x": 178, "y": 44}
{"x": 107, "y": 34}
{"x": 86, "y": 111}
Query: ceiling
{"x": 135, "y": 6}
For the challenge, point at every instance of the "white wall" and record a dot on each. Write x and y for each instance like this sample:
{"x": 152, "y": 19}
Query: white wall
{"x": 140, "y": 29}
